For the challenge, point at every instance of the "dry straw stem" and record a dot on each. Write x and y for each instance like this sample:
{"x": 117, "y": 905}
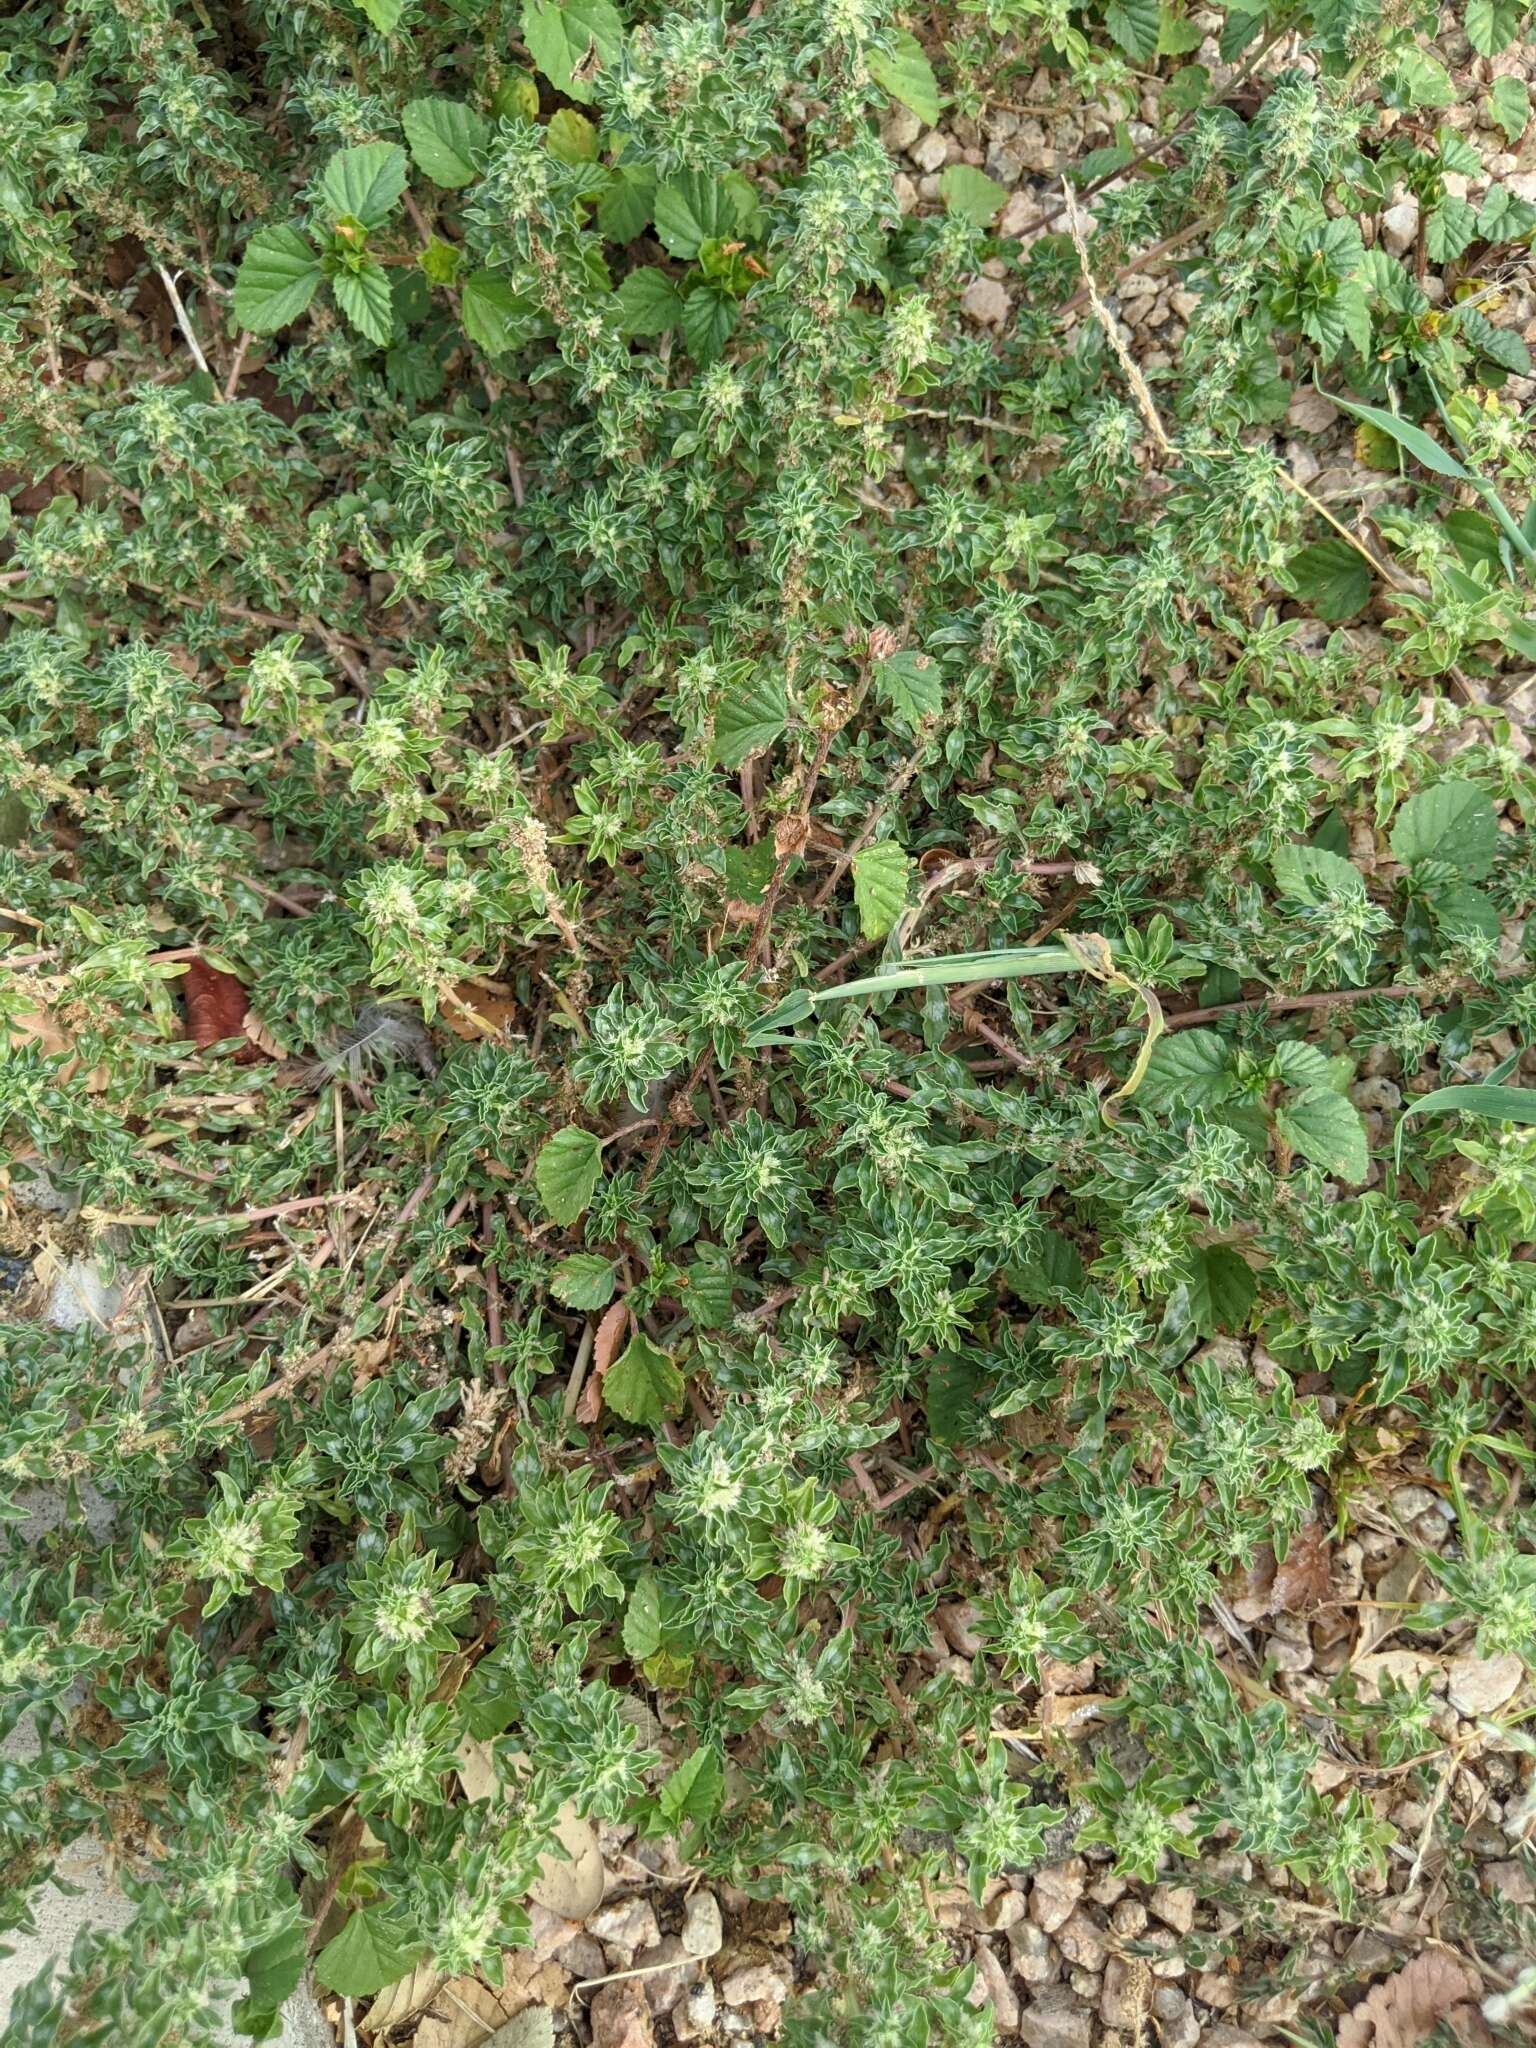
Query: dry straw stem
{"x": 1106, "y": 320}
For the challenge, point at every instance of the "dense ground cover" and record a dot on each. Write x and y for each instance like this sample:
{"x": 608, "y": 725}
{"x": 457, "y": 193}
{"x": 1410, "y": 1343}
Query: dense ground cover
{"x": 543, "y": 543}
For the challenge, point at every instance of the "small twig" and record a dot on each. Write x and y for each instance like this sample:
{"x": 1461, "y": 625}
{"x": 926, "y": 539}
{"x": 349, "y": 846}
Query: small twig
{"x": 1393, "y": 992}
{"x": 1106, "y": 320}
{"x": 578, "y": 1369}
{"x": 181, "y": 319}
{"x": 232, "y": 381}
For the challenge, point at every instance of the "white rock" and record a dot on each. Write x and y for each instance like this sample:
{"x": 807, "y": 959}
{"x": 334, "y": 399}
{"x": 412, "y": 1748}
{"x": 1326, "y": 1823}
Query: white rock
{"x": 1055, "y": 1892}
{"x": 932, "y": 152}
{"x": 900, "y": 128}
{"x": 985, "y": 302}
{"x": 1400, "y": 226}
{"x": 754, "y": 1981}
{"x": 1481, "y": 1685}
{"x": 703, "y": 1930}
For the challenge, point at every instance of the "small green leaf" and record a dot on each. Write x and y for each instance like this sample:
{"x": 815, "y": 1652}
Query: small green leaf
{"x": 971, "y": 194}
{"x": 1222, "y": 1290}
{"x": 880, "y": 887}
{"x": 1309, "y": 875}
{"x": 363, "y": 295}
{"x": 569, "y": 40}
{"x": 371, "y": 1951}
{"x": 584, "y": 1280}
{"x": 750, "y": 717}
{"x": 694, "y": 1790}
{"x": 642, "y": 1620}
{"x": 495, "y": 317}
{"x": 1135, "y": 25}
{"x": 643, "y": 1385}
{"x": 364, "y": 183}
{"x": 566, "y": 1173}
{"x": 1325, "y": 1127}
{"x": 570, "y": 137}
{"x": 1509, "y": 104}
{"x": 906, "y": 75}
{"x": 695, "y": 208}
{"x": 1492, "y": 25}
{"x": 626, "y": 202}
{"x": 277, "y": 279}
{"x": 1331, "y": 578}
{"x": 1191, "y": 1068}
{"x": 1454, "y": 822}
{"x": 447, "y": 140}
{"x": 911, "y": 682}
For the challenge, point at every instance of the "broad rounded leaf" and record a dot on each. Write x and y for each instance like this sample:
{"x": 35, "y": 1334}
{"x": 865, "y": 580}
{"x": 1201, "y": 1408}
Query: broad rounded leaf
{"x": 384, "y": 14}
{"x": 495, "y": 317}
{"x": 365, "y": 182}
{"x": 584, "y": 1280}
{"x": 693, "y": 209}
{"x": 971, "y": 194}
{"x": 648, "y": 302}
{"x": 1325, "y": 1128}
{"x": 277, "y": 279}
{"x": 447, "y": 140}
{"x": 1308, "y": 874}
{"x": 371, "y": 1951}
{"x": 906, "y": 75}
{"x": 364, "y": 297}
{"x": 1331, "y": 578}
{"x": 570, "y": 39}
{"x": 643, "y": 1385}
{"x": 880, "y": 887}
{"x": 911, "y": 682}
{"x": 1454, "y": 822}
{"x": 567, "y": 1172}
{"x": 750, "y": 718}
{"x": 1191, "y": 1068}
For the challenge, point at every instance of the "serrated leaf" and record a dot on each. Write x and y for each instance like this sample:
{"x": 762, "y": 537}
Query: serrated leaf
{"x": 911, "y": 682}
{"x": 384, "y": 14}
{"x": 1492, "y": 25}
{"x": 625, "y": 206}
{"x": 750, "y": 717}
{"x": 642, "y": 1620}
{"x": 276, "y": 281}
{"x": 570, "y": 137}
{"x": 1454, "y": 822}
{"x": 1501, "y": 345}
{"x": 1191, "y": 1067}
{"x": 566, "y": 1173}
{"x": 1309, "y": 875}
{"x": 1222, "y": 1290}
{"x": 647, "y": 302}
{"x": 952, "y": 1402}
{"x": 495, "y": 317}
{"x": 694, "y": 1790}
{"x": 1331, "y": 578}
{"x": 447, "y": 140}
{"x": 584, "y": 1280}
{"x": 880, "y": 887}
{"x": 1134, "y": 24}
{"x": 971, "y": 194}
{"x": 1325, "y": 1127}
{"x": 694, "y": 208}
{"x": 371, "y": 1951}
{"x": 709, "y": 315}
{"x": 643, "y": 1385}
{"x": 905, "y": 73}
{"x": 364, "y": 183}
{"x": 1509, "y": 103}
{"x": 364, "y": 296}
{"x": 1449, "y": 227}
{"x": 570, "y": 39}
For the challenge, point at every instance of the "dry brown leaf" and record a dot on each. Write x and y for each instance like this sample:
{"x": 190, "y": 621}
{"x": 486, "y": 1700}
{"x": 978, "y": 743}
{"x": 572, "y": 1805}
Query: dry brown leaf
{"x": 478, "y": 1012}
{"x": 463, "y": 2011}
{"x": 569, "y": 1885}
{"x": 1299, "y": 1582}
{"x": 605, "y": 1349}
{"x": 1404, "y": 2011}
{"x": 401, "y": 2000}
{"x": 1068, "y": 1713}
